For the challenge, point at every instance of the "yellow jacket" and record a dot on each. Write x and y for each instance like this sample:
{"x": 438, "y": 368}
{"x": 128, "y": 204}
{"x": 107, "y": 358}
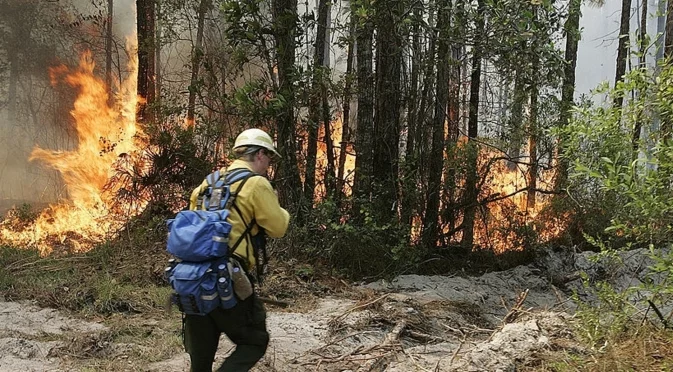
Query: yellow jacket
{"x": 257, "y": 201}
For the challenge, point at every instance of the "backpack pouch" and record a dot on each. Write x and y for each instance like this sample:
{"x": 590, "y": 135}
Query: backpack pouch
{"x": 198, "y": 235}
{"x": 220, "y": 239}
{"x": 196, "y": 290}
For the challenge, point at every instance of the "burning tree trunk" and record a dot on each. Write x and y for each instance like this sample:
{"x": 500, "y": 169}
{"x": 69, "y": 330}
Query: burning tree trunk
{"x": 285, "y": 26}
{"x": 364, "y": 161}
{"x": 197, "y": 55}
{"x": 572, "y": 31}
{"x": 145, "y": 25}
{"x": 471, "y": 192}
{"x": 431, "y": 219}
{"x": 316, "y": 105}
{"x": 622, "y": 49}
{"x": 388, "y": 94}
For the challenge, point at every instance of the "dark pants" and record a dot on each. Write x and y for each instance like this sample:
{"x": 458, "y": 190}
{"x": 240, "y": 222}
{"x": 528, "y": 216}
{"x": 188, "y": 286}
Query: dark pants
{"x": 245, "y": 325}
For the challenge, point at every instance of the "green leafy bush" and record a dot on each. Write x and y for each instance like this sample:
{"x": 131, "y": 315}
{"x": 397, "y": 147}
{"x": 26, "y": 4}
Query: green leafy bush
{"x": 620, "y": 183}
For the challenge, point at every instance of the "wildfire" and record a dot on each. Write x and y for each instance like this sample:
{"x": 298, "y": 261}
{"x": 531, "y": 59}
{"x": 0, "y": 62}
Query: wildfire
{"x": 106, "y": 133}
{"x": 321, "y": 158}
{"x": 507, "y": 221}
{"x": 503, "y": 226}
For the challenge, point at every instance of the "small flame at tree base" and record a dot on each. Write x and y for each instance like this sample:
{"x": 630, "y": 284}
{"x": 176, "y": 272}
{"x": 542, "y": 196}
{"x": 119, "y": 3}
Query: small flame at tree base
{"x": 105, "y": 133}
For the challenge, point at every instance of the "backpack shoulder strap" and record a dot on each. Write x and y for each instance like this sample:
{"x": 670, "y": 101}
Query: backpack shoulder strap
{"x": 237, "y": 174}
{"x": 212, "y": 178}
{"x": 241, "y": 174}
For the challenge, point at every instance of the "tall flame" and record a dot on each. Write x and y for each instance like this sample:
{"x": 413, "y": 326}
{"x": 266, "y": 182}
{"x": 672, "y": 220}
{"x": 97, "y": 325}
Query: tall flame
{"x": 105, "y": 132}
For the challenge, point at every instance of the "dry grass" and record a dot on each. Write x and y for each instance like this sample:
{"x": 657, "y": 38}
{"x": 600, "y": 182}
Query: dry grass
{"x": 646, "y": 348}
{"x": 130, "y": 344}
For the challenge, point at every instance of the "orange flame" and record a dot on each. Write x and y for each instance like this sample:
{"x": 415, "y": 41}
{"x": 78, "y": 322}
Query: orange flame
{"x": 321, "y": 158}
{"x": 501, "y": 227}
{"x": 105, "y": 134}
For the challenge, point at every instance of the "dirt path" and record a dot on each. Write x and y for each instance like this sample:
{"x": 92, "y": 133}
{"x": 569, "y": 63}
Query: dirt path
{"x": 415, "y": 323}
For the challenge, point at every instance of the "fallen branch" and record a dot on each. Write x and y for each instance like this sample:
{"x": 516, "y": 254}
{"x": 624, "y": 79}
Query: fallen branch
{"x": 413, "y": 360}
{"x": 357, "y": 307}
{"x": 423, "y": 336}
{"x": 455, "y": 330}
{"x": 455, "y": 353}
{"x": 389, "y": 339}
{"x": 515, "y": 311}
{"x": 659, "y": 314}
{"x": 394, "y": 335}
{"x": 271, "y": 301}
{"x": 336, "y": 341}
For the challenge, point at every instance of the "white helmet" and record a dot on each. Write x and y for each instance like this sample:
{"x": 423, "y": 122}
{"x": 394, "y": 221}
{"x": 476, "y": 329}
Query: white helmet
{"x": 255, "y": 137}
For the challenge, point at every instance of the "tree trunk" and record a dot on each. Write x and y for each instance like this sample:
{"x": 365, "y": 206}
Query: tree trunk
{"x": 330, "y": 181}
{"x": 622, "y": 49}
{"x": 197, "y": 55}
{"x": 157, "y": 55}
{"x": 12, "y": 91}
{"x": 642, "y": 49}
{"x": 387, "y": 114}
{"x": 572, "y": 31}
{"x": 420, "y": 141}
{"x": 533, "y": 137}
{"x": 668, "y": 37}
{"x": 19, "y": 27}
{"x": 516, "y": 118}
{"x": 450, "y": 184}
{"x": 285, "y": 29}
{"x": 316, "y": 101}
{"x": 364, "y": 161}
{"x": 666, "y": 120}
{"x": 345, "y": 120}
{"x": 471, "y": 192}
{"x": 108, "y": 47}
{"x": 410, "y": 178}
{"x": 145, "y": 26}
{"x": 431, "y": 219}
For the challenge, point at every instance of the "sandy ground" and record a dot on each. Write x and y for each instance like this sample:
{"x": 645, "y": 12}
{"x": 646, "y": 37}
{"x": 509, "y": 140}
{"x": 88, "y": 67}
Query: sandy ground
{"x": 415, "y": 323}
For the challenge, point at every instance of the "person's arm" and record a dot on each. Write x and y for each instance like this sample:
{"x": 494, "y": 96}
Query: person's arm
{"x": 269, "y": 215}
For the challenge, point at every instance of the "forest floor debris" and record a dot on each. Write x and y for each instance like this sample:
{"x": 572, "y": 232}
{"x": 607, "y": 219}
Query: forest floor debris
{"x": 499, "y": 321}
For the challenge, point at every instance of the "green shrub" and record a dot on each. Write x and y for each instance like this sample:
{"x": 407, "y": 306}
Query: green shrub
{"x": 358, "y": 247}
{"x": 621, "y": 185}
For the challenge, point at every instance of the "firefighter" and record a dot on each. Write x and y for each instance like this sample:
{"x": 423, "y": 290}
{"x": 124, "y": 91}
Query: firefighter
{"x": 256, "y": 204}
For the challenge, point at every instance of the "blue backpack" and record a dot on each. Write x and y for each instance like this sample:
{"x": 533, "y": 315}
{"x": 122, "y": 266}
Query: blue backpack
{"x": 200, "y": 274}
